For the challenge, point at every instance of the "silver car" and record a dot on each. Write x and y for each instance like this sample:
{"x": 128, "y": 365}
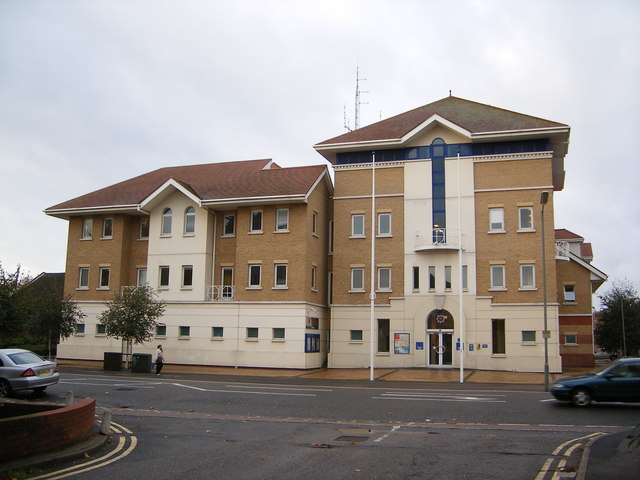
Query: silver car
{"x": 24, "y": 370}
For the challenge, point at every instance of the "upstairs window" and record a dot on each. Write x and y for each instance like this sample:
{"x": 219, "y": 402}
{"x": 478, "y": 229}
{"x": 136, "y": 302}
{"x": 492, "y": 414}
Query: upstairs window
{"x": 104, "y": 278}
{"x": 107, "y": 228}
{"x": 187, "y": 276}
{"x": 525, "y": 218}
{"x": 190, "y": 221}
{"x": 229, "y": 229}
{"x": 497, "y": 277}
{"x": 166, "y": 222}
{"x": 496, "y": 220}
{"x": 87, "y": 228}
{"x": 280, "y": 276}
{"x": 164, "y": 277}
{"x": 141, "y": 277}
{"x": 357, "y": 225}
{"x": 282, "y": 220}
{"x": 569, "y": 293}
{"x": 254, "y": 276}
{"x": 357, "y": 280}
{"x": 256, "y": 221}
{"x": 447, "y": 277}
{"x": 384, "y": 279}
{"x": 83, "y": 280}
{"x": 144, "y": 228}
{"x": 527, "y": 277}
{"x": 384, "y": 224}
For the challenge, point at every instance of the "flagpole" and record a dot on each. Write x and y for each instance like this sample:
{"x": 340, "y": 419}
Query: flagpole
{"x": 372, "y": 295}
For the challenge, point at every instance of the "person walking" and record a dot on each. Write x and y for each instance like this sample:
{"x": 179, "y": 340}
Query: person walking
{"x": 159, "y": 359}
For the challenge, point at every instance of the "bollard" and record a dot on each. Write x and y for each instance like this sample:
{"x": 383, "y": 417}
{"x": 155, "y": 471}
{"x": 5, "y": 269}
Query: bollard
{"x": 106, "y": 422}
{"x": 69, "y": 398}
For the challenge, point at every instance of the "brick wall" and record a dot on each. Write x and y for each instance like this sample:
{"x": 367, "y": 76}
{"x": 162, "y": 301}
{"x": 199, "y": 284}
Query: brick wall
{"x": 47, "y": 430}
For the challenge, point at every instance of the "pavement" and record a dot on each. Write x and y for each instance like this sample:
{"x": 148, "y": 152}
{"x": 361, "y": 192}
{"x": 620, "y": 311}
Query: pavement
{"x": 607, "y": 457}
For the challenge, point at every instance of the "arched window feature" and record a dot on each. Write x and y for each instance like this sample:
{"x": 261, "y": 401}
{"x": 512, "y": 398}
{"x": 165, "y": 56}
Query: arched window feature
{"x": 190, "y": 221}
{"x": 440, "y": 320}
{"x": 166, "y": 222}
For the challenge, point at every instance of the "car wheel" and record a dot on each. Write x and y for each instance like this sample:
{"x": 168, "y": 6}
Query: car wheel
{"x": 581, "y": 397}
{"x": 5, "y": 388}
{"x": 613, "y": 356}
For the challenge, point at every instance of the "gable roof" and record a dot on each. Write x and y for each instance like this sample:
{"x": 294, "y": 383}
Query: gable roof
{"x": 473, "y": 117}
{"x": 211, "y": 183}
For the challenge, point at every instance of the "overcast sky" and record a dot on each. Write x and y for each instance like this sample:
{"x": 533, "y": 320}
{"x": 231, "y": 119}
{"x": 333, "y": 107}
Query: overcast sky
{"x": 93, "y": 92}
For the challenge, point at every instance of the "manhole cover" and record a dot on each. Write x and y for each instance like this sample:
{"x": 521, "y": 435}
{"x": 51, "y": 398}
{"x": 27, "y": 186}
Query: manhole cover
{"x": 352, "y": 438}
{"x": 125, "y": 389}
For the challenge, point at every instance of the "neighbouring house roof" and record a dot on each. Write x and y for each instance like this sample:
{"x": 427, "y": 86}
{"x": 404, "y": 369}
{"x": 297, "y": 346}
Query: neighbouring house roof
{"x": 584, "y": 258}
{"x": 210, "y": 183}
{"x": 564, "y": 234}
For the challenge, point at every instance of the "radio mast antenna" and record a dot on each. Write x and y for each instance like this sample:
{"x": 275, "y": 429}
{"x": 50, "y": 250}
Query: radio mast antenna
{"x": 358, "y": 102}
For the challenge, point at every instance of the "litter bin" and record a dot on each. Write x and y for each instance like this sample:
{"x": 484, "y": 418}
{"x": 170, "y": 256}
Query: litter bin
{"x": 141, "y": 362}
{"x": 112, "y": 361}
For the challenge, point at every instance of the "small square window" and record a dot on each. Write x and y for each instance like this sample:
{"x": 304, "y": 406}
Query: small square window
{"x": 528, "y": 336}
{"x": 278, "y": 334}
{"x": 569, "y": 293}
{"x": 184, "y": 331}
{"x": 79, "y": 329}
{"x": 161, "y": 330}
{"x": 571, "y": 339}
{"x": 217, "y": 332}
{"x": 252, "y": 333}
{"x": 101, "y": 329}
{"x": 355, "y": 336}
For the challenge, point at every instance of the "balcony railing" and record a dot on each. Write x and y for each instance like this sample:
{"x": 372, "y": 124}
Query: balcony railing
{"x": 562, "y": 250}
{"x": 220, "y": 293}
{"x": 437, "y": 239}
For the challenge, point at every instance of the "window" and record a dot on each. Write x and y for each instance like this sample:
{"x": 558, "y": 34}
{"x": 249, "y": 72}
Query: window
{"x": 190, "y": 221}
{"x": 277, "y": 334}
{"x": 314, "y": 223}
{"x": 498, "y": 337}
{"x": 497, "y": 277}
{"x": 79, "y": 329}
{"x": 384, "y": 279}
{"x": 101, "y": 329}
{"x": 496, "y": 220}
{"x": 311, "y": 342}
{"x": 161, "y": 330}
{"x": 355, "y": 336}
{"x": 569, "y": 293}
{"x": 571, "y": 339}
{"x": 252, "y": 333}
{"x": 330, "y": 238}
{"x": 83, "y": 278}
{"x": 357, "y": 280}
{"x": 280, "y": 275}
{"x": 447, "y": 277}
{"x": 465, "y": 284}
{"x": 313, "y": 278}
{"x": 227, "y": 282}
{"x": 166, "y": 223}
{"x": 528, "y": 336}
{"x": 254, "y": 276}
{"x": 144, "y": 228}
{"x": 107, "y": 228}
{"x": 525, "y": 218}
{"x": 184, "y": 331}
{"x": 229, "y": 229}
{"x": 87, "y": 228}
{"x": 217, "y": 332}
{"x": 357, "y": 225}
{"x": 164, "y": 277}
{"x": 416, "y": 278}
{"x": 383, "y": 335}
{"x": 141, "y": 277}
{"x": 187, "y": 276}
{"x": 256, "y": 221}
{"x": 527, "y": 277}
{"x": 104, "y": 277}
{"x": 432, "y": 278}
{"x": 282, "y": 220}
{"x": 384, "y": 224}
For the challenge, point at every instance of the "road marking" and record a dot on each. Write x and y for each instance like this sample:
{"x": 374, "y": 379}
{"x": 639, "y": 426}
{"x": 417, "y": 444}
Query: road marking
{"x": 437, "y": 397}
{"x": 571, "y": 446}
{"x": 393, "y": 429}
{"x": 282, "y": 388}
{"x": 245, "y": 392}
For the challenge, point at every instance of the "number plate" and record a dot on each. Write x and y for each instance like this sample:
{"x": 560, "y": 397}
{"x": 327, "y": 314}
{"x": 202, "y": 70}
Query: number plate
{"x": 45, "y": 372}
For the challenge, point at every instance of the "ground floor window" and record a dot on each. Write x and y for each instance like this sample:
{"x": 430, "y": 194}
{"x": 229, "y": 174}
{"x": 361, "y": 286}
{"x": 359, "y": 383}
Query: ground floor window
{"x": 383, "y": 335}
{"x": 355, "y": 336}
{"x": 311, "y": 342}
{"x": 498, "y": 336}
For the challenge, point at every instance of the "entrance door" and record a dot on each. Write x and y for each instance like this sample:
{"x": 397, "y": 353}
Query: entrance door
{"x": 440, "y": 349}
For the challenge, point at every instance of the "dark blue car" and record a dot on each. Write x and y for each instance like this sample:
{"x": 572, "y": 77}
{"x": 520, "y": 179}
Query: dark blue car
{"x": 617, "y": 381}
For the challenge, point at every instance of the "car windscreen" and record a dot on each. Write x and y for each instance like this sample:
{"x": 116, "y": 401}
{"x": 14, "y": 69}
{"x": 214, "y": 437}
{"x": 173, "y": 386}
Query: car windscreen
{"x": 23, "y": 358}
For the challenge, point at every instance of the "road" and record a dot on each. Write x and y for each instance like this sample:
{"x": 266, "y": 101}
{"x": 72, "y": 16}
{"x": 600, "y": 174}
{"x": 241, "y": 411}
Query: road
{"x": 197, "y": 427}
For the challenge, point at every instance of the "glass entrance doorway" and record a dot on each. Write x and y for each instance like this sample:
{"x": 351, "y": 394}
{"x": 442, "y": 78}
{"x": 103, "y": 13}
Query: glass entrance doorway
{"x": 440, "y": 339}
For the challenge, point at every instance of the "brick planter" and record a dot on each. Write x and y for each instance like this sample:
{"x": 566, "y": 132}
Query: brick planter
{"x": 49, "y": 429}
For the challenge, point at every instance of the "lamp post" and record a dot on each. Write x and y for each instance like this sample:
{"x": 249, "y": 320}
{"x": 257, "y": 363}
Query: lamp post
{"x": 544, "y": 198}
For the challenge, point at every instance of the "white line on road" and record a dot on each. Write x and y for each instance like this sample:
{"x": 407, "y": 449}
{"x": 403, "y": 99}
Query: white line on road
{"x": 245, "y": 392}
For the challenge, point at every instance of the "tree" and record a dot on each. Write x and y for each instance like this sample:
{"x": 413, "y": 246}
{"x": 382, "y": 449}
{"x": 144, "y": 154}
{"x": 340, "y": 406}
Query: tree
{"x": 11, "y": 321}
{"x": 132, "y": 316}
{"x": 620, "y": 313}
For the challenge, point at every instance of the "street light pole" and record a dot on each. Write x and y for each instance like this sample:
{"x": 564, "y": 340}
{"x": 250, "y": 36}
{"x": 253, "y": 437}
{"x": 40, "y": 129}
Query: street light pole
{"x": 544, "y": 198}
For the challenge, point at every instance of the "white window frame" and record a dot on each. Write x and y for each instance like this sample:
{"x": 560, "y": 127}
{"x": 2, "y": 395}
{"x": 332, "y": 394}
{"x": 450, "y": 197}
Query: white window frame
{"x": 566, "y": 339}
{"x": 525, "y": 228}
{"x": 252, "y": 338}
{"x": 184, "y": 328}
{"x": 355, "y": 231}
{"x": 213, "y": 333}
{"x": 465, "y": 277}
{"x": 384, "y": 279}
{"x": 528, "y": 341}
{"x": 101, "y": 272}
{"x": 231, "y": 221}
{"x": 314, "y": 223}
{"x": 278, "y": 338}
{"x": 431, "y": 269}
{"x": 496, "y": 220}
{"x": 356, "y": 340}
{"x": 497, "y": 272}
{"x": 523, "y": 285}
{"x": 253, "y": 220}
{"x": 161, "y": 268}
{"x": 83, "y": 285}
{"x": 189, "y": 221}
{"x": 388, "y": 232}
{"x": 141, "y": 277}
{"x": 360, "y": 272}
{"x": 105, "y": 222}
{"x": 447, "y": 278}
{"x": 251, "y": 268}
{"x": 314, "y": 274}
{"x": 185, "y": 269}
{"x": 284, "y": 212}
{"x": 144, "y": 225}
{"x": 569, "y": 295}
{"x": 165, "y": 223}
{"x": 277, "y": 283}
{"x": 87, "y": 229}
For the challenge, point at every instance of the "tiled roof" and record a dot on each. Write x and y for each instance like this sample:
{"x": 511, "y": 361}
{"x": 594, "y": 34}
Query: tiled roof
{"x": 471, "y": 116}
{"x": 564, "y": 234}
{"x": 213, "y": 181}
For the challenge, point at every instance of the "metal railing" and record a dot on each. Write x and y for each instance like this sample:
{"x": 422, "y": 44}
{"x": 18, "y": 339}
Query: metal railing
{"x": 220, "y": 293}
